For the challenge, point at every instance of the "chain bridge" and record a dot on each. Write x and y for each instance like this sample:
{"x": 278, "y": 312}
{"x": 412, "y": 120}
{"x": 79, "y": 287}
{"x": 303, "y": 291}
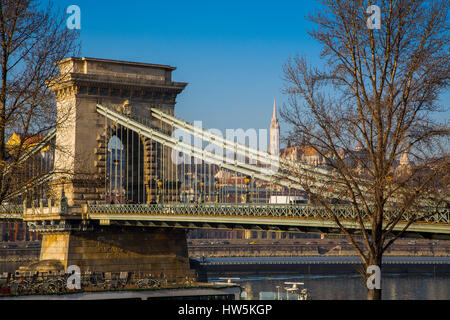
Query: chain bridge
{"x": 118, "y": 182}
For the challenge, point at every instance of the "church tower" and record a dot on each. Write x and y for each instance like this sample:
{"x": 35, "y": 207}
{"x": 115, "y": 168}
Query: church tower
{"x": 274, "y": 133}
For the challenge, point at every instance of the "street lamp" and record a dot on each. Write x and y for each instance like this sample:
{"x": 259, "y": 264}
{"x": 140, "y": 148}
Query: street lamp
{"x": 64, "y": 203}
{"x": 116, "y": 163}
{"x": 217, "y": 191}
{"x": 63, "y": 181}
{"x": 159, "y": 183}
{"x": 202, "y": 184}
{"x": 247, "y": 194}
{"x": 116, "y": 189}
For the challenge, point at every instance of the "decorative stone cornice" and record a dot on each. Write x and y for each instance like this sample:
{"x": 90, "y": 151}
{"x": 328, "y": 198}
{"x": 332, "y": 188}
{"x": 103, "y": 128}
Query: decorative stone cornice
{"x": 118, "y": 80}
{"x": 115, "y": 79}
{"x": 118, "y": 62}
{"x": 116, "y": 87}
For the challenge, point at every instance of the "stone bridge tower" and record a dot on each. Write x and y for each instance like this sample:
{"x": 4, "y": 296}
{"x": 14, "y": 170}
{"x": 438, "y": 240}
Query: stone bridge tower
{"x": 81, "y": 134}
{"x": 81, "y": 141}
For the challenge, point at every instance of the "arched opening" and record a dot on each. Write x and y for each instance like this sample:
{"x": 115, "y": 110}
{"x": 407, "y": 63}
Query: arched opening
{"x": 125, "y": 170}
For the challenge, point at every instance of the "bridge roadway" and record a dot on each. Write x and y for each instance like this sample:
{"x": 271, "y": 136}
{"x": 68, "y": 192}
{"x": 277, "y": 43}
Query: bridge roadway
{"x": 275, "y": 217}
{"x": 250, "y": 216}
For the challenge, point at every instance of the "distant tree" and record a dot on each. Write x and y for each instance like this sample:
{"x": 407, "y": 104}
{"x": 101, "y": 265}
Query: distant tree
{"x": 32, "y": 39}
{"x": 375, "y": 101}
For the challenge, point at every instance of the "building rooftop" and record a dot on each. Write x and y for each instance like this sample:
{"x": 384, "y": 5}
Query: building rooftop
{"x": 121, "y": 62}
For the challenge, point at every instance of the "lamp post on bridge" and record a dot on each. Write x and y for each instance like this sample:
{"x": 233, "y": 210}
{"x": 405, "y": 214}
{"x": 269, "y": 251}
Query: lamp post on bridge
{"x": 247, "y": 193}
{"x": 64, "y": 203}
{"x": 217, "y": 192}
{"x": 116, "y": 189}
{"x": 202, "y": 184}
{"x": 159, "y": 184}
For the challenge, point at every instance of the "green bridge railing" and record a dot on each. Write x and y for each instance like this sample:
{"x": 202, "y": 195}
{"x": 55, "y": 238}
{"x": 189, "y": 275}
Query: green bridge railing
{"x": 258, "y": 210}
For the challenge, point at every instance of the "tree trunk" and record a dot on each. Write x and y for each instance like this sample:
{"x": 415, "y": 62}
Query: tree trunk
{"x": 375, "y": 293}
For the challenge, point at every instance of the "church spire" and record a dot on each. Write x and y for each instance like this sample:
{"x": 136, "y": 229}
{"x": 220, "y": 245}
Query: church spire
{"x": 274, "y": 122}
{"x": 274, "y": 132}
{"x": 274, "y": 109}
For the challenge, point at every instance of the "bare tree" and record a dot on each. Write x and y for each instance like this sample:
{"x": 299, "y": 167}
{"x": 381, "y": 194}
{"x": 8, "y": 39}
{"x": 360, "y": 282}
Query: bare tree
{"x": 32, "y": 40}
{"x": 371, "y": 113}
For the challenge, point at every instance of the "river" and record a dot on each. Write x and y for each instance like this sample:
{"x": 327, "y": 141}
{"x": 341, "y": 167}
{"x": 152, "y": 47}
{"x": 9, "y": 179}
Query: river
{"x": 345, "y": 287}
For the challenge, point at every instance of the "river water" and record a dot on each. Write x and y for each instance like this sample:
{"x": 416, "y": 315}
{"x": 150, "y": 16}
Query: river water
{"x": 345, "y": 287}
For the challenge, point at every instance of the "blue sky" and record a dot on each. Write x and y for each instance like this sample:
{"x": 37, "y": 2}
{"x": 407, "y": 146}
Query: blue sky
{"x": 230, "y": 52}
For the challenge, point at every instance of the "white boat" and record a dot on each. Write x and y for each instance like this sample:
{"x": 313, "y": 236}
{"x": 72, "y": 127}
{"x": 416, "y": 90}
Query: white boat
{"x": 302, "y": 294}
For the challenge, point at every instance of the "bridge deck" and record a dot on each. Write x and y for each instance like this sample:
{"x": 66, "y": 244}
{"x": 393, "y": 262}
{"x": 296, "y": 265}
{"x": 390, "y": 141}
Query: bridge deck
{"x": 252, "y": 216}
{"x": 276, "y": 217}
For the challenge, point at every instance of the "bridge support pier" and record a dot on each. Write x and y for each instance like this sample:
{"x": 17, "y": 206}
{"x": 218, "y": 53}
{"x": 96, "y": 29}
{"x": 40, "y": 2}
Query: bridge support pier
{"x": 161, "y": 252}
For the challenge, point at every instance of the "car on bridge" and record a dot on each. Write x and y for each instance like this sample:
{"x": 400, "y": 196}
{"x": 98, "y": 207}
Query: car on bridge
{"x": 33, "y": 245}
{"x": 10, "y": 246}
{"x": 302, "y": 201}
